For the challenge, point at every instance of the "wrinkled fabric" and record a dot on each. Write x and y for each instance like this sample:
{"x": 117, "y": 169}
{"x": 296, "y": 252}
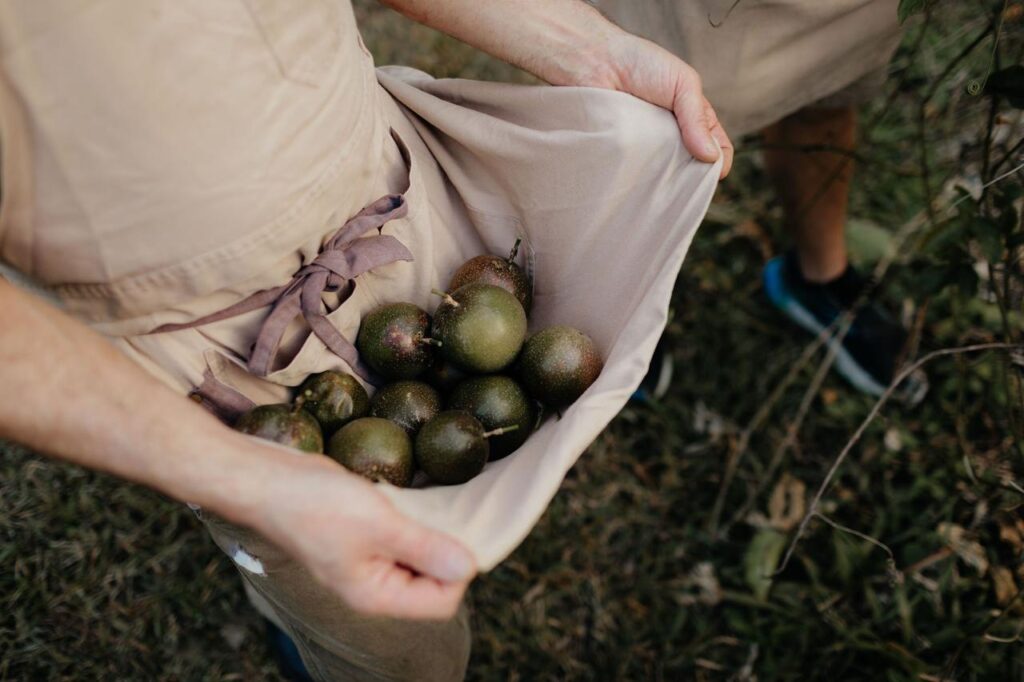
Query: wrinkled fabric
{"x": 175, "y": 157}
{"x": 179, "y": 148}
{"x": 342, "y": 258}
{"x": 761, "y": 60}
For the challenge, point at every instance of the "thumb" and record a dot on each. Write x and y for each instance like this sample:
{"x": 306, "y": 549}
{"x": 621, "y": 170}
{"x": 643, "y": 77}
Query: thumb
{"x": 432, "y": 553}
{"x": 691, "y": 111}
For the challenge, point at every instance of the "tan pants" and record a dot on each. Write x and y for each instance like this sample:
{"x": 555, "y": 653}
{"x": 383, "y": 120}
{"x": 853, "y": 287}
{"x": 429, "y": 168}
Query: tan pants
{"x": 335, "y": 642}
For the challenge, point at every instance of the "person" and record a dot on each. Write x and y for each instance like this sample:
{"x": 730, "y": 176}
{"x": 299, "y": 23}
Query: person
{"x": 165, "y": 161}
{"x": 796, "y": 71}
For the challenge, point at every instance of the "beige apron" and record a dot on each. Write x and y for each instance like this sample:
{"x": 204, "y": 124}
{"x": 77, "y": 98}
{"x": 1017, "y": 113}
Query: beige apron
{"x": 163, "y": 159}
{"x": 761, "y": 60}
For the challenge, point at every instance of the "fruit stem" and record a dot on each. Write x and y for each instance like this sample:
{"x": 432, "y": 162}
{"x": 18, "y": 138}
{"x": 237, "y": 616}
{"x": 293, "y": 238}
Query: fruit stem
{"x": 502, "y": 430}
{"x": 447, "y": 297}
{"x": 430, "y": 342}
{"x": 515, "y": 250}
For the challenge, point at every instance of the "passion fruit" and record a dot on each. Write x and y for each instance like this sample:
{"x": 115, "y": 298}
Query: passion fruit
{"x": 288, "y": 425}
{"x": 499, "y": 271}
{"x": 452, "y": 447}
{"x": 443, "y": 375}
{"x": 393, "y": 340}
{"x": 558, "y": 364}
{"x": 410, "y": 404}
{"x": 374, "y": 448}
{"x": 481, "y": 327}
{"x": 334, "y": 399}
{"x": 497, "y": 401}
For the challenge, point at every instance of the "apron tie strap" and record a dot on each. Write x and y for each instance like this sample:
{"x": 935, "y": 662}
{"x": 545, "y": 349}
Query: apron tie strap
{"x": 343, "y": 257}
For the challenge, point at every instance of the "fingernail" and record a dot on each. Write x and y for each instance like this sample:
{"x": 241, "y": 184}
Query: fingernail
{"x": 710, "y": 149}
{"x": 457, "y": 566}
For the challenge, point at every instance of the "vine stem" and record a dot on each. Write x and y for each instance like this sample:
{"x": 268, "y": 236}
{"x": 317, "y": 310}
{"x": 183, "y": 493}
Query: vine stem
{"x": 836, "y": 330}
{"x": 501, "y": 431}
{"x": 515, "y": 250}
{"x": 841, "y": 457}
{"x": 447, "y": 297}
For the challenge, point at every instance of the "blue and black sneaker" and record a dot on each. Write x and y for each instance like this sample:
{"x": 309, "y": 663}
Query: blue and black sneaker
{"x": 869, "y": 354}
{"x": 286, "y": 653}
{"x": 658, "y": 378}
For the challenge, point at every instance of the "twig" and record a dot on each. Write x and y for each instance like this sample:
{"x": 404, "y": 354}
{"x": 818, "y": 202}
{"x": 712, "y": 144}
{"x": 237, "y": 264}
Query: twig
{"x": 1009, "y": 155}
{"x": 924, "y": 563}
{"x": 1005, "y": 640}
{"x": 951, "y": 665}
{"x": 743, "y": 444}
{"x": 988, "y": 184}
{"x": 812, "y": 511}
{"x": 881, "y": 268}
{"x": 793, "y": 429}
{"x": 894, "y": 573}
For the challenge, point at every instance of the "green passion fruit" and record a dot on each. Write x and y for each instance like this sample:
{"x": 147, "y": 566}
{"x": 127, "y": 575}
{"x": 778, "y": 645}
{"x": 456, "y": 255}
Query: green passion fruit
{"x": 334, "y": 399}
{"x": 443, "y": 375}
{"x": 452, "y": 447}
{"x": 410, "y": 404}
{"x": 558, "y": 364}
{"x": 497, "y": 401}
{"x": 374, "y": 448}
{"x": 480, "y": 326}
{"x": 393, "y": 340}
{"x": 290, "y": 426}
{"x": 498, "y": 271}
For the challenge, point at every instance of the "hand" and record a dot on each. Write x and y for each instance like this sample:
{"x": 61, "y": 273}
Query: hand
{"x": 353, "y": 541}
{"x": 567, "y": 42}
{"x": 654, "y": 74}
{"x": 349, "y": 536}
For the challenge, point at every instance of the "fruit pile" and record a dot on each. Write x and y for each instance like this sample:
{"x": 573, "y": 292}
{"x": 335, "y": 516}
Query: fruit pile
{"x": 466, "y": 386}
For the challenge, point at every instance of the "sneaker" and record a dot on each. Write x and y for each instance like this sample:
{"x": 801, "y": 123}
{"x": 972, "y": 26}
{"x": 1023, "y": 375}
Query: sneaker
{"x": 658, "y": 378}
{"x": 867, "y": 356}
{"x": 289, "y": 662}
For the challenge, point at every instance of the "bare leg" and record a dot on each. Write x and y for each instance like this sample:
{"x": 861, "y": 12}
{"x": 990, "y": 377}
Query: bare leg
{"x": 814, "y": 185}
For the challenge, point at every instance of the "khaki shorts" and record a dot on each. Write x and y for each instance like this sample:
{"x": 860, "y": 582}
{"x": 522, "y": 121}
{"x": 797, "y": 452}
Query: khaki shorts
{"x": 861, "y": 91}
{"x": 761, "y": 60}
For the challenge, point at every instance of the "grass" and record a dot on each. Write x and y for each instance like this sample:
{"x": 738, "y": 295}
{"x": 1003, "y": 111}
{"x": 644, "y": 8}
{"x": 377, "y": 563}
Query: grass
{"x": 623, "y": 579}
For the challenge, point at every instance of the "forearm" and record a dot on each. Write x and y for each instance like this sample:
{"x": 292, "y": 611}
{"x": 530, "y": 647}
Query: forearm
{"x": 69, "y": 393}
{"x": 564, "y": 42}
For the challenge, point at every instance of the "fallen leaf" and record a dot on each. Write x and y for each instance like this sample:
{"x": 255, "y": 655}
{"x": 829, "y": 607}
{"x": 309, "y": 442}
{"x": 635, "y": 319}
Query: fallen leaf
{"x": 760, "y": 560}
{"x": 234, "y": 634}
{"x": 970, "y": 551}
{"x": 1011, "y": 534}
{"x": 787, "y": 505}
{"x": 893, "y": 440}
{"x": 1004, "y": 585}
{"x": 704, "y": 579}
